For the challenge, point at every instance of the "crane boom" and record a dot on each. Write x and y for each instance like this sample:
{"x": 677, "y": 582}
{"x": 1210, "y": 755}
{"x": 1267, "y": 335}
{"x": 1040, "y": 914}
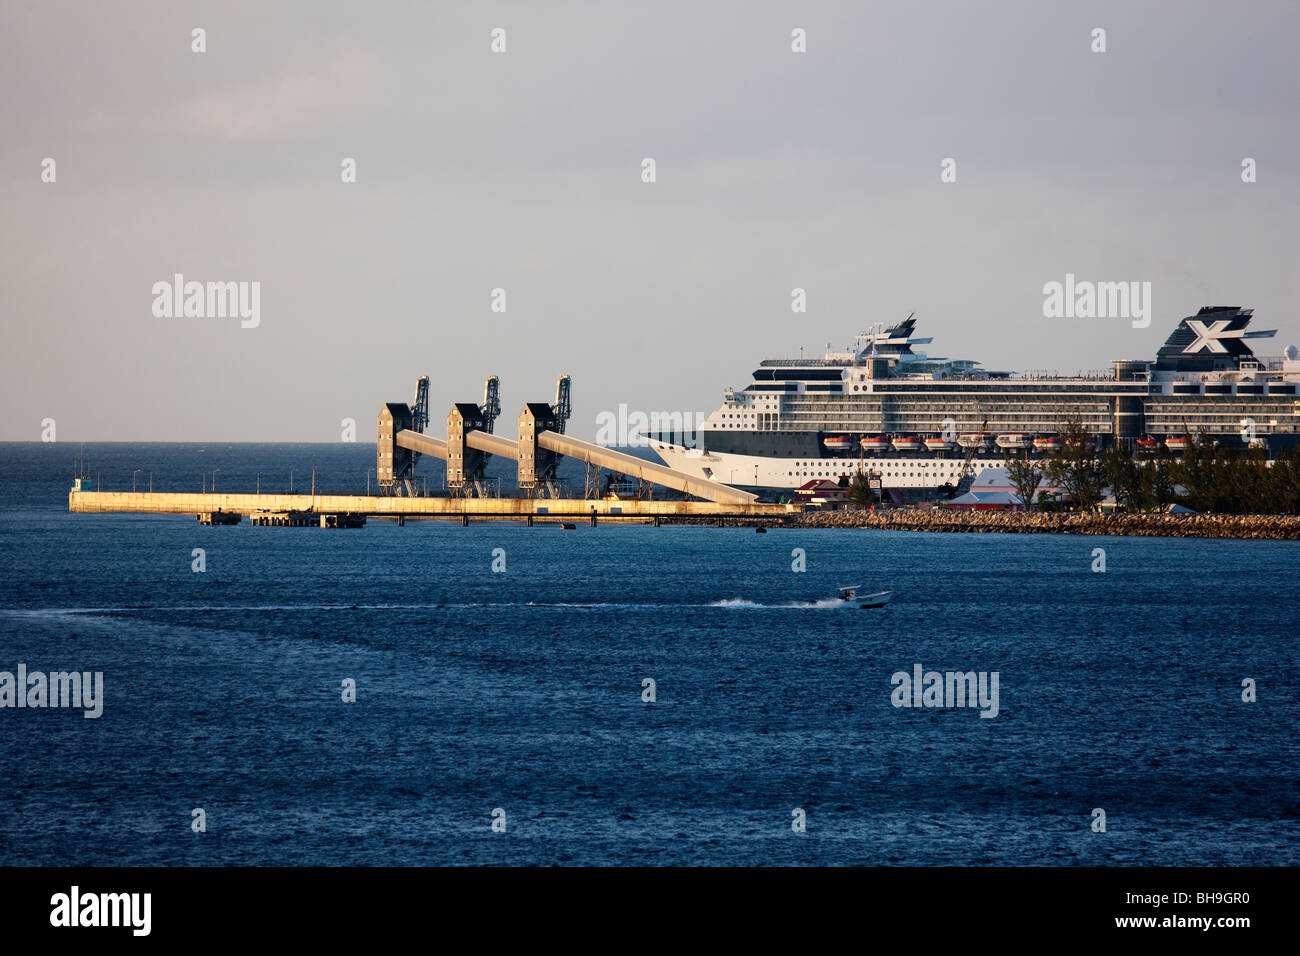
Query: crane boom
{"x": 563, "y": 406}
{"x": 965, "y": 477}
{"x": 419, "y": 418}
{"x": 491, "y": 407}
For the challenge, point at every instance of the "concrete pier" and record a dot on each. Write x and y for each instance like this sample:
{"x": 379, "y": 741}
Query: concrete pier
{"x": 218, "y": 517}
{"x": 305, "y": 519}
{"x": 516, "y": 509}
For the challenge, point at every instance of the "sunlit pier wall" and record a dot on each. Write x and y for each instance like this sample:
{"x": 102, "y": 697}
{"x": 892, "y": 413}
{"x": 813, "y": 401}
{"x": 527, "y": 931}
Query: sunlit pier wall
{"x": 379, "y": 507}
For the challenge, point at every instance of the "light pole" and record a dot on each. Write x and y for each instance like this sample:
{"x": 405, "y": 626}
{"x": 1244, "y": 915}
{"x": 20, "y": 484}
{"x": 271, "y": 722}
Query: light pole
{"x": 133, "y": 474}
{"x": 368, "y": 471}
{"x": 290, "y": 481}
{"x": 313, "y": 482}
{"x": 214, "y": 480}
{"x": 151, "y": 482}
{"x": 259, "y": 482}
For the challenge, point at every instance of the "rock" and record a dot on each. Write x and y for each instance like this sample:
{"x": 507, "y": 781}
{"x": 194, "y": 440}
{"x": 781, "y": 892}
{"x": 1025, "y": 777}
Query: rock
{"x": 1006, "y": 522}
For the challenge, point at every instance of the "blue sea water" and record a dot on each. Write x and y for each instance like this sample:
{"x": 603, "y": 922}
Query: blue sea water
{"x": 522, "y": 690}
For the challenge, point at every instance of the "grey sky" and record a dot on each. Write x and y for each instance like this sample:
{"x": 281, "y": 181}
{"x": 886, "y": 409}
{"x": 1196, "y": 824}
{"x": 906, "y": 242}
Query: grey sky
{"x": 522, "y": 171}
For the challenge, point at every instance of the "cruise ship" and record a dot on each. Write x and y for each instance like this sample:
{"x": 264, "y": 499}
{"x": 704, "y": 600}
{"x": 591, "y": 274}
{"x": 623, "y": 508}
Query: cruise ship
{"x": 921, "y": 423}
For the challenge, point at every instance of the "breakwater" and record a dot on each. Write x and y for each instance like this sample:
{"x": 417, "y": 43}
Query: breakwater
{"x": 1147, "y": 525}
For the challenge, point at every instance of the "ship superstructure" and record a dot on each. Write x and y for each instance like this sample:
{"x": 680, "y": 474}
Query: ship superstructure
{"x": 920, "y": 422}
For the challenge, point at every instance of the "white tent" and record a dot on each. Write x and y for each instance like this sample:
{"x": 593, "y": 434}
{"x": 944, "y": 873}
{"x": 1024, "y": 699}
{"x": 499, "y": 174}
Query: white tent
{"x": 999, "y": 479}
{"x": 997, "y": 499}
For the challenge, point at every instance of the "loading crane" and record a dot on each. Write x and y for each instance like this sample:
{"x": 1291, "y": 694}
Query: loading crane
{"x": 541, "y": 443}
{"x": 563, "y": 406}
{"x": 395, "y": 468}
{"x": 491, "y": 407}
{"x": 420, "y": 404}
{"x": 419, "y": 419}
{"x": 966, "y": 477}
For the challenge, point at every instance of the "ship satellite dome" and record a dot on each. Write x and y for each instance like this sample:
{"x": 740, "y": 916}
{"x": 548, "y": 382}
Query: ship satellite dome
{"x": 1292, "y": 352}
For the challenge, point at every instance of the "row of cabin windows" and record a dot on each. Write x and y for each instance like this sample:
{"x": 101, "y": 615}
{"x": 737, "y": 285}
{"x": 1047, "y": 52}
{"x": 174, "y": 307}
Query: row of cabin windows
{"x": 887, "y": 474}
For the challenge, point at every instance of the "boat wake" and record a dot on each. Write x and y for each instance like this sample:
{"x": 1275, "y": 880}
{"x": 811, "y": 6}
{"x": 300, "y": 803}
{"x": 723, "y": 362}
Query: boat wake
{"x": 121, "y": 610}
{"x": 824, "y": 604}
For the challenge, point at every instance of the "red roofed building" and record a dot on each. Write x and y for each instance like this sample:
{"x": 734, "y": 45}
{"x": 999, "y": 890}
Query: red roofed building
{"x": 822, "y": 493}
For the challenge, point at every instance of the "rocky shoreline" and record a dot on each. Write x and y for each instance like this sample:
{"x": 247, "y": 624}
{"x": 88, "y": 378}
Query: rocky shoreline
{"x": 1153, "y": 525}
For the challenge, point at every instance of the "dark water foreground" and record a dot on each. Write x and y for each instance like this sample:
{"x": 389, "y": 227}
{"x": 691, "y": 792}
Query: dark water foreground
{"x": 522, "y": 691}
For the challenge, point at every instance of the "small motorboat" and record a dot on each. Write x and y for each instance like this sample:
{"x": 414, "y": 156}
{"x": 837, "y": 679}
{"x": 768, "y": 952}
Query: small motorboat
{"x": 864, "y": 601}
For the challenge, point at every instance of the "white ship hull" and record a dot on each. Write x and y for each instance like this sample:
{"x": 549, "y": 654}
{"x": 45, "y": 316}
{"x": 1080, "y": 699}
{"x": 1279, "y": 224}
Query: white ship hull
{"x": 918, "y": 470}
